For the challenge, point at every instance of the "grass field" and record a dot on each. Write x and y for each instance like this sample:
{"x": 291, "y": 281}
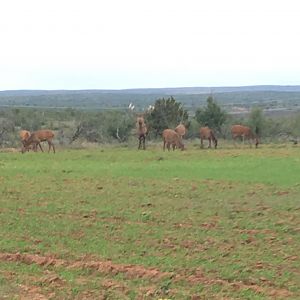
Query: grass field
{"x": 117, "y": 223}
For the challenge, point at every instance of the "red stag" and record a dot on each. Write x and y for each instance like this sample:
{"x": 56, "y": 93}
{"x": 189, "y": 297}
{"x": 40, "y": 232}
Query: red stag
{"x": 207, "y": 134}
{"x": 141, "y": 132}
{"x": 244, "y": 132}
{"x": 181, "y": 130}
{"x": 24, "y": 135}
{"x": 171, "y": 137}
{"x": 37, "y": 137}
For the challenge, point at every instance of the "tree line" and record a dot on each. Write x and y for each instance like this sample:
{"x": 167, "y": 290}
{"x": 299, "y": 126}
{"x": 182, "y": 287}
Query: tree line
{"x": 110, "y": 126}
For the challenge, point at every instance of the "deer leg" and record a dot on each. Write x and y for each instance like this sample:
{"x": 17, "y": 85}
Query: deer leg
{"x": 209, "y": 143}
{"x": 144, "y": 139}
{"x": 39, "y": 146}
{"x": 51, "y": 145}
{"x": 53, "y": 148}
{"x": 34, "y": 147}
{"x": 140, "y": 141}
{"x": 201, "y": 140}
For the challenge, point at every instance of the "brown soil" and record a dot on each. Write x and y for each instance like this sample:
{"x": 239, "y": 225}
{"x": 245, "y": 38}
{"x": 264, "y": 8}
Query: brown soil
{"x": 131, "y": 271}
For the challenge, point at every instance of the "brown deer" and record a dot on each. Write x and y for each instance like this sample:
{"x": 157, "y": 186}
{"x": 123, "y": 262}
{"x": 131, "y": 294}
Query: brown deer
{"x": 171, "y": 137}
{"x": 245, "y": 133}
{"x": 24, "y": 135}
{"x": 181, "y": 130}
{"x": 37, "y": 137}
{"x": 207, "y": 134}
{"x": 141, "y": 129}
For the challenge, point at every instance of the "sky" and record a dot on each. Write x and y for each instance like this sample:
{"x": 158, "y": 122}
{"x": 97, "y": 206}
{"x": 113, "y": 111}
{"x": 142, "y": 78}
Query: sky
{"x": 121, "y": 44}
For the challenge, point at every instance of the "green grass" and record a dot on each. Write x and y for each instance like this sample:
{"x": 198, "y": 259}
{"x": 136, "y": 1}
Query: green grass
{"x": 221, "y": 223}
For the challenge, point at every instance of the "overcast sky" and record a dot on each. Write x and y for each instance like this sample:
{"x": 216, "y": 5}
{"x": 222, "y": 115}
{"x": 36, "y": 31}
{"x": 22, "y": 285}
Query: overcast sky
{"x": 116, "y": 44}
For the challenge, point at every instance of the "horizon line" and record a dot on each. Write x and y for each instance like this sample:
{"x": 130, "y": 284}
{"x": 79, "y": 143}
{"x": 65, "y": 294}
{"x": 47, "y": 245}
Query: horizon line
{"x": 156, "y": 88}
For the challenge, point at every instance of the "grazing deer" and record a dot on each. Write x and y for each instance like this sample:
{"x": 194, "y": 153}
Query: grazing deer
{"x": 141, "y": 132}
{"x": 171, "y": 137}
{"x": 207, "y": 134}
{"x": 245, "y": 133}
{"x": 37, "y": 137}
{"x": 24, "y": 135}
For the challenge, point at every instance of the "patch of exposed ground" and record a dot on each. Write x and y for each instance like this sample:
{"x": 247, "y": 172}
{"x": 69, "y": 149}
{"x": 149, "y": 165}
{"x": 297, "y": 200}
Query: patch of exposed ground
{"x": 107, "y": 267}
{"x": 199, "y": 277}
{"x": 32, "y": 293}
{"x": 135, "y": 271}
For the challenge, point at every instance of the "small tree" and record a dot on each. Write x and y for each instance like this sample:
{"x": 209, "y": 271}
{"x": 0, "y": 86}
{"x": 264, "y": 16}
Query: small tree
{"x": 256, "y": 120}
{"x": 212, "y": 115}
{"x": 167, "y": 113}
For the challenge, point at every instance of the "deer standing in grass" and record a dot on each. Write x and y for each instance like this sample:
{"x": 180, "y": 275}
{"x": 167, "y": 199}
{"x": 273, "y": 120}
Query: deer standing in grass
{"x": 245, "y": 133}
{"x": 181, "y": 130}
{"x": 171, "y": 137}
{"x": 37, "y": 137}
{"x": 207, "y": 134}
{"x": 24, "y": 135}
{"x": 141, "y": 132}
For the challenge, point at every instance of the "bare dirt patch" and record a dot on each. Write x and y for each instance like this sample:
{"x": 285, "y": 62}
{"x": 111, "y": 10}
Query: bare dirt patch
{"x": 131, "y": 271}
{"x": 26, "y": 292}
{"x": 107, "y": 267}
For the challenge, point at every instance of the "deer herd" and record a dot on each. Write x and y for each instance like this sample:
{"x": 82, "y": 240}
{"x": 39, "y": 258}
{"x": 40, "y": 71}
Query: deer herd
{"x": 174, "y": 138}
{"x": 171, "y": 138}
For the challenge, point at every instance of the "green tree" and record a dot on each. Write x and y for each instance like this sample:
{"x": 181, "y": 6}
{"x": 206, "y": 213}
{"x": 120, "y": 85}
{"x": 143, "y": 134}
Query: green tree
{"x": 166, "y": 113}
{"x": 212, "y": 115}
{"x": 257, "y": 120}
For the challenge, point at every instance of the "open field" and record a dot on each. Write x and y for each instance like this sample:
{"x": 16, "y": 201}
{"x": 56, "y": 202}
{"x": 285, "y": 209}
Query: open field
{"x": 117, "y": 223}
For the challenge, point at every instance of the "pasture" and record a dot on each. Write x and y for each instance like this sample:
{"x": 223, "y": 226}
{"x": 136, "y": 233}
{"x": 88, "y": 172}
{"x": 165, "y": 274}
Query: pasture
{"x": 118, "y": 223}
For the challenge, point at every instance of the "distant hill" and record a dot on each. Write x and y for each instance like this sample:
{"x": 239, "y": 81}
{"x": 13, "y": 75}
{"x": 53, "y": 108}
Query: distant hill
{"x": 160, "y": 91}
{"x": 270, "y": 96}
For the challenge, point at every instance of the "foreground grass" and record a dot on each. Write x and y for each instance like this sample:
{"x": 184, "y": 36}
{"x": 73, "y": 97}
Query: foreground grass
{"x": 128, "y": 224}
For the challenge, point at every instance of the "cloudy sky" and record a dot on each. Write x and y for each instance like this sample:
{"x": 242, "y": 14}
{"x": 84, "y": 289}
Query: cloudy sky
{"x": 116, "y": 44}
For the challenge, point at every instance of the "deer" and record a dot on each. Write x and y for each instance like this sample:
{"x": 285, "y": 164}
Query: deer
{"x": 181, "y": 130}
{"x": 207, "y": 134}
{"x": 171, "y": 137}
{"x": 24, "y": 135}
{"x": 245, "y": 133}
{"x": 141, "y": 132}
{"x": 37, "y": 137}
